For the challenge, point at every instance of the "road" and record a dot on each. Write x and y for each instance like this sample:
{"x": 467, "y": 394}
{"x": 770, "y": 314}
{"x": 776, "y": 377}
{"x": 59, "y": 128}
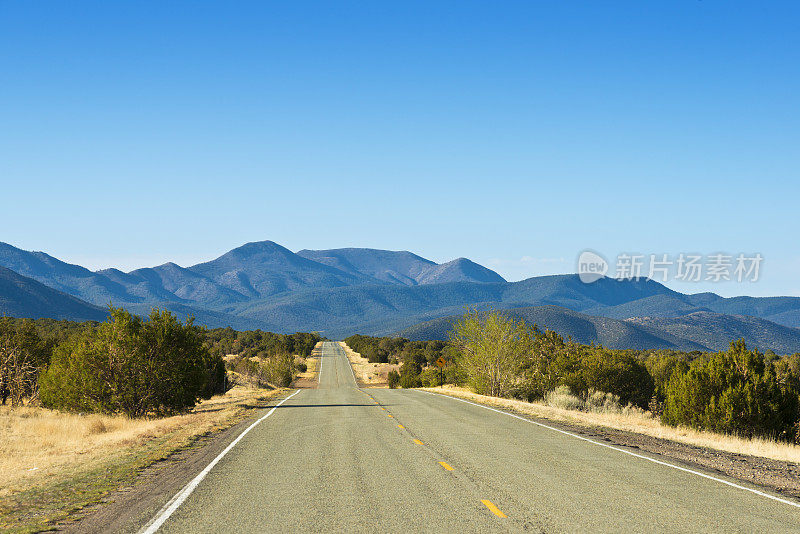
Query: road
{"x": 343, "y": 459}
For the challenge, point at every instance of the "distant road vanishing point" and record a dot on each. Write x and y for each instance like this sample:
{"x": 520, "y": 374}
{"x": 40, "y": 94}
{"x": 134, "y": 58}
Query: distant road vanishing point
{"x": 339, "y": 458}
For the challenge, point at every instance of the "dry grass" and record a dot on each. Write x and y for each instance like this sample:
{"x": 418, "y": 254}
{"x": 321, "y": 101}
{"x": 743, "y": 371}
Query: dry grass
{"x": 43, "y": 449}
{"x": 634, "y": 420}
{"x": 369, "y": 374}
{"x": 309, "y": 376}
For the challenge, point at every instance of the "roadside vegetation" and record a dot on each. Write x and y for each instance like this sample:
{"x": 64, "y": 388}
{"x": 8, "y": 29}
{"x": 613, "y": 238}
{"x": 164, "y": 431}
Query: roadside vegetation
{"x": 84, "y": 406}
{"x": 416, "y": 359}
{"x": 740, "y": 392}
{"x": 138, "y": 367}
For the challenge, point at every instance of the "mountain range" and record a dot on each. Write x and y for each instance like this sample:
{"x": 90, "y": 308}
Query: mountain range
{"x": 357, "y": 290}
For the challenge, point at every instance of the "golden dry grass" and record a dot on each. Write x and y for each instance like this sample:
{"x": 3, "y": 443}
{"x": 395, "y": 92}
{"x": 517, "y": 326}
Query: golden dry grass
{"x": 41, "y": 446}
{"x": 369, "y": 374}
{"x": 312, "y": 363}
{"x": 636, "y": 421}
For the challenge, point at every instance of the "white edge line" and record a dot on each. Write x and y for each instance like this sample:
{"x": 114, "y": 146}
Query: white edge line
{"x": 659, "y": 462}
{"x": 173, "y": 504}
{"x": 350, "y": 365}
{"x": 321, "y": 355}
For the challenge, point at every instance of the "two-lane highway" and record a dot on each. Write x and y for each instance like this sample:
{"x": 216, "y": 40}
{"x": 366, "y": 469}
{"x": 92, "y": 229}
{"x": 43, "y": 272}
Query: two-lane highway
{"x": 343, "y": 459}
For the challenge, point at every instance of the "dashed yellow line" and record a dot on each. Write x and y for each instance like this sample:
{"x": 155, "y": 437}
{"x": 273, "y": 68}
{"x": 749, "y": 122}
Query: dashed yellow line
{"x": 401, "y": 427}
{"x": 390, "y": 415}
{"x": 418, "y": 442}
{"x": 492, "y": 508}
{"x": 446, "y": 466}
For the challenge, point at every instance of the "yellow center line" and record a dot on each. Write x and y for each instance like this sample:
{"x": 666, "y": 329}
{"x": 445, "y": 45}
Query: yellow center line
{"x": 492, "y": 508}
{"x": 418, "y": 442}
{"x": 400, "y": 426}
{"x": 390, "y": 415}
{"x": 446, "y": 466}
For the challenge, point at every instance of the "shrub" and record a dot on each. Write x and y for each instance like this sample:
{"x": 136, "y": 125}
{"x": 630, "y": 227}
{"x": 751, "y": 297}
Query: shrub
{"x": 602, "y": 370}
{"x": 492, "y": 346}
{"x": 280, "y": 369}
{"x": 732, "y": 392}
{"x": 22, "y": 355}
{"x": 393, "y": 378}
{"x": 562, "y": 397}
{"x": 131, "y": 366}
{"x": 430, "y": 377}
{"x": 409, "y": 381}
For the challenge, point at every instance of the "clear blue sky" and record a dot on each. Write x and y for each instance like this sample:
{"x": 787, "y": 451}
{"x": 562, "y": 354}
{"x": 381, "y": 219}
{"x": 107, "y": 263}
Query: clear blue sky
{"x": 513, "y": 133}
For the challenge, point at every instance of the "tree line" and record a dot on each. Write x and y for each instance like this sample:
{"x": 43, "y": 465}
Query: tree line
{"x": 262, "y": 357}
{"x": 132, "y": 365}
{"x": 740, "y": 391}
{"x": 416, "y": 358}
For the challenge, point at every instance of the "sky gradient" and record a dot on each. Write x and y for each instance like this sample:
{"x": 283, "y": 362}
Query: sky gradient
{"x": 516, "y": 134}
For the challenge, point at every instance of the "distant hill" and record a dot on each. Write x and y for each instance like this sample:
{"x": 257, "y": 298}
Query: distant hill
{"x": 264, "y": 268}
{"x": 385, "y": 309}
{"x": 71, "y": 279}
{"x": 401, "y": 267}
{"x": 360, "y": 290}
{"x": 579, "y": 327}
{"x": 24, "y": 297}
{"x": 695, "y": 331}
{"x": 459, "y": 270}
{"x": 716, "y": 331}
{"x": 387, "y": 266}
{"x": 170, "y": 282}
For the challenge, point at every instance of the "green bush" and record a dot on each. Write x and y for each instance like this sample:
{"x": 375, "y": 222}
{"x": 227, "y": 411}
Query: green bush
{"x": 131, "y": 366}
{"x": 620, "y": 374}
{"x": 393, "y": 378}
{"x": 430, "y": 377}
{"x": 409, "y": 381}
{"x": 732, "y": 392}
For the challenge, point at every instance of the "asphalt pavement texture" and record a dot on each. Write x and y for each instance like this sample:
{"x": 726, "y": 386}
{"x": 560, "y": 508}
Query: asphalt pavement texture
{"x": 339, "y": 458}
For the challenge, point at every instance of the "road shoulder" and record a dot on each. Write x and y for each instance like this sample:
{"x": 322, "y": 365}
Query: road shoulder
{"x": 130, "y": 502}
{"x": 778, "y": 476}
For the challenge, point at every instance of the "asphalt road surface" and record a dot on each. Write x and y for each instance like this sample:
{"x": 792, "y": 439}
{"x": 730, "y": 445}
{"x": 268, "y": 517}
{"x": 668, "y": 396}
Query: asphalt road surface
{"x": 343, "y": 459}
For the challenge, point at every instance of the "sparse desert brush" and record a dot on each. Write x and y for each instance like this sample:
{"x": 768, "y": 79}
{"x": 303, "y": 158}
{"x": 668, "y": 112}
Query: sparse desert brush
{"x": 562, "y": 397}
{"x": 595, "y": 402}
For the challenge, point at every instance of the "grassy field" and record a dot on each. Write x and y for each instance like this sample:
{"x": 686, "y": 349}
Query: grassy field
{"x": 632, "y": 420}
{"x": 53, "y": 464}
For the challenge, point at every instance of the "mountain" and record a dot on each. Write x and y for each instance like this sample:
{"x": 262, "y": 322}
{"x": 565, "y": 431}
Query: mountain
{"x": 661, "y": 305}
{"x": 71, "y": 279}
{"x": 387, "y": 266}
{"x": 21, "y": 296}
{"x": 695, "y": 331}
{"x": 459, "y": 270}
{"x": 716, "y": 331}
{"x": 387, "y": 309}
{"x": 265, "y": 268}
{"x": 370, "y": 291}
{"x": 579, "y": 327}
{"x": 401, "y": 267}
{"x": 171, "y": 282}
